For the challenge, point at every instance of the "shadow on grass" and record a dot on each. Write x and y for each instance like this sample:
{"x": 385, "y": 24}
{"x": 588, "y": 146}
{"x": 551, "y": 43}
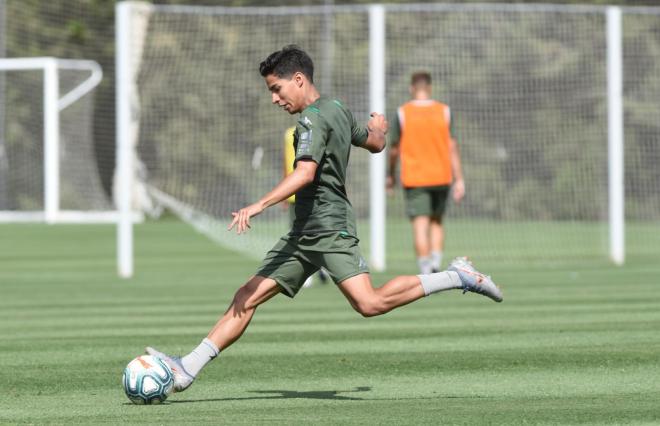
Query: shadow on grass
{"x": 332, "y": 395}
{"x": 337, "y": 395}
{"x": 288, "y": 394}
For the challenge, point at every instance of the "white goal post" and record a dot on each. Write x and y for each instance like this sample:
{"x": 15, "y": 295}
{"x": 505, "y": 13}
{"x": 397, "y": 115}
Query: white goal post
{"x": 54, "y": 103}
{"x": 615, "y": 140}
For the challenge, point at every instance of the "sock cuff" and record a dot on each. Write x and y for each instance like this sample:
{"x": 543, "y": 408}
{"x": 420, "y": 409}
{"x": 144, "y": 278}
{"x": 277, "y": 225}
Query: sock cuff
{"x": 208, "y": 342}
{"x": 433, "y": 283}
{"x": 427, "y": 283}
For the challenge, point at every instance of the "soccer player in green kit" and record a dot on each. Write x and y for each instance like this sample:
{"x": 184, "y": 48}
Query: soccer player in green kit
{"x": 324, "y": 232}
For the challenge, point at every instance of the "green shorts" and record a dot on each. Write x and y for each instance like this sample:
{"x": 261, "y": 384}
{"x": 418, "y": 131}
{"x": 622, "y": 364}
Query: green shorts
{"x": 296, "y": 257}
{"x": 426, "y": 201}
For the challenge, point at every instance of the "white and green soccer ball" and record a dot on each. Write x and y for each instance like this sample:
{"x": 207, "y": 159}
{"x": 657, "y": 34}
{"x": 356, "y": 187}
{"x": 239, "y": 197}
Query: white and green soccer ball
{"x": 147, "y": 380}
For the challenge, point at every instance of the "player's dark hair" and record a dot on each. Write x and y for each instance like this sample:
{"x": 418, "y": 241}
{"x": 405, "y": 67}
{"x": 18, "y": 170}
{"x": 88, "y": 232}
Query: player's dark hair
{"x": 420, "y": 77}
{"x": 288, "y": 61}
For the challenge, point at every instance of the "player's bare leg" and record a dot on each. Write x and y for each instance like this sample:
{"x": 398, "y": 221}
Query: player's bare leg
{"x": 420, "y": 225}
{"x": 236, "y": 319}
{"x": 437, "y": 238}
{"x": 404, "y": 289}
{"x": 370, "y": 301}
{"x": 226, "y": 331}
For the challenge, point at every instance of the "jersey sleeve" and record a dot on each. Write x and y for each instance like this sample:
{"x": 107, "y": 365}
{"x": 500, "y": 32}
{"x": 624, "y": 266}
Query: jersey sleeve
{"x": 312, "y": 132}
{"x": 359, "y": 134}
{"x": 394, "y": 133}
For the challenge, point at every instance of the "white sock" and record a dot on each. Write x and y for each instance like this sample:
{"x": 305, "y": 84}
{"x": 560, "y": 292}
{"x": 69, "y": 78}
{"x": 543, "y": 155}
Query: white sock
{"x": 424, "y": 263}
{"x": 436, "y": 260}
{"x": 440, "y": 281}
{"x": 199, "y": 357}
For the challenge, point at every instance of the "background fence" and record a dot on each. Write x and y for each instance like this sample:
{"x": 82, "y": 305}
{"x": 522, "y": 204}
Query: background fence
{"x": 527, "y": 85}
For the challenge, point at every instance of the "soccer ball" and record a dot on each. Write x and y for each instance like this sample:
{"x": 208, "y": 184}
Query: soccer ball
{"x": 148, "y": 380}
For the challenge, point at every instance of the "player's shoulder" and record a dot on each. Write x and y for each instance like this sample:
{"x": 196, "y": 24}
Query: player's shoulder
{"x": 328, "y": 105}
{"x": 424, "y": 103}
{"x": 323, "y": 109}
{"x": 309, "y": 115}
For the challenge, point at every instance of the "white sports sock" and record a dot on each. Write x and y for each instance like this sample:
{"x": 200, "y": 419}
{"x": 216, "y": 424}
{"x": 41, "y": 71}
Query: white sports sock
{"x": 436, "y": 260}
{"x": 424, "y": 263}
{"x": 199, "y": 357}
{"x": 440, "y": 281}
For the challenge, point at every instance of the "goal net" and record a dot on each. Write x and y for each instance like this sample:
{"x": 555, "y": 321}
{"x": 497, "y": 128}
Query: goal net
{"x": 48, "y": 170}
{"x": 527, "y": 86}
{"x": 209, "y": 139}
{"x": 641, "y": 69}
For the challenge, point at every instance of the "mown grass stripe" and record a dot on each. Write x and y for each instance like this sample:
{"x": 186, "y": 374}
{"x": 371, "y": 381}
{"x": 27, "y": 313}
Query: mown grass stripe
{"x": 575, "y": 343}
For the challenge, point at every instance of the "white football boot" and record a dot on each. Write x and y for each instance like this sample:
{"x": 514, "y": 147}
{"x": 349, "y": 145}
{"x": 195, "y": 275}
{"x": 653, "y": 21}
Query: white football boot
{"x": 182, "y": 380}
{"x": 474, "y": 280}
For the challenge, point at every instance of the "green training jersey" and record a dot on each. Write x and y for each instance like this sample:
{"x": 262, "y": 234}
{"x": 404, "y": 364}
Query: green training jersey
{"x": 324, "y": 134}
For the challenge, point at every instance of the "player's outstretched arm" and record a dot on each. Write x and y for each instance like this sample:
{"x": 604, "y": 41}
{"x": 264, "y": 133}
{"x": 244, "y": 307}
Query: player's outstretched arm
{"x": 390, "y": 181}
{"x": 302, "y": 176}
{"x": 458, "y": 187}
{"x": 377, "y": 127}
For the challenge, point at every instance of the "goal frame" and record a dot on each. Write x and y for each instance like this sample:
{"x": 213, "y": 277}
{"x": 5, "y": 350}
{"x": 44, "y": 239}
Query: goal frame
{"x": 125, "y": 104}
{"x": 53, "y": 105}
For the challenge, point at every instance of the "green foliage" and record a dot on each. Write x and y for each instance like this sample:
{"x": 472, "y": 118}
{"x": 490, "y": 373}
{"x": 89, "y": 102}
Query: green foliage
{"x": 503, "y": 162}
{"x": 77, "y": 32}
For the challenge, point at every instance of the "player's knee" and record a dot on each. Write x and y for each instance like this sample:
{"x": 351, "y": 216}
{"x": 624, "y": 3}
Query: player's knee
{"x": 243, "y": 298}
{"x": 370, "y": 308}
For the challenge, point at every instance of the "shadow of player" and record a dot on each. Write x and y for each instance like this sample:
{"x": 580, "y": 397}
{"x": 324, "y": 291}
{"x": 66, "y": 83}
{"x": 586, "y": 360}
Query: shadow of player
{"x": 289, "y": 394}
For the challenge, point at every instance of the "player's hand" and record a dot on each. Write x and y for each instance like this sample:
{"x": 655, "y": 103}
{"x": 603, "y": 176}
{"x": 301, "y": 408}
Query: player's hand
{"x": 377, "y": 123}
{"x": 458, "y": 190}
{"x": 242, "y": 217}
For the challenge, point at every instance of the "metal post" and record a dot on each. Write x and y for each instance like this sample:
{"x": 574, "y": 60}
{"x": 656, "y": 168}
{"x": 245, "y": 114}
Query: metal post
{"x": 377, "y": 104}
{"x": 615, "y": 135}
{"x": 327, "y": 53}
{"x": 51, "y": 141}
{"x": 123, "y": 141}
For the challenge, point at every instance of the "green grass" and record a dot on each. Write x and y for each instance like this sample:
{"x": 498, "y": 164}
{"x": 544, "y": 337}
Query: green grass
{"x": 572, "y": 344}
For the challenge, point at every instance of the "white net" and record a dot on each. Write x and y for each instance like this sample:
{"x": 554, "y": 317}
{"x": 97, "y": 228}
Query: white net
{"x": 80, "y": 180}
{"x": 641, "y": 51}
{"x": 22, "y": 141}
{"x": 528, "y": 91}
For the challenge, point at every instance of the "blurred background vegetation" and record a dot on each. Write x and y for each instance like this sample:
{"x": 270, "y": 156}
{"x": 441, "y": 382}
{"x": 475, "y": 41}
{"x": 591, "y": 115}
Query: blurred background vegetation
{"x": 37, "y": 28}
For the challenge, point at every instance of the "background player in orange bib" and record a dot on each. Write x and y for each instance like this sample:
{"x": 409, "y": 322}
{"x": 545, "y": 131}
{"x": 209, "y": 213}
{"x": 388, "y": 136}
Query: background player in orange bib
{"x": 421, "y": 136}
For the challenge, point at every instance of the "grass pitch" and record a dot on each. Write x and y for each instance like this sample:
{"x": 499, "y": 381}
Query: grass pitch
{"x": 569, "y": 345}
